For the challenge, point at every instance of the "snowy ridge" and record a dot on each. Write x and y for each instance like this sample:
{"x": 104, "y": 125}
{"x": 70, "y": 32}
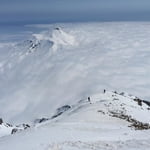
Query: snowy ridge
{"x": 104, "y": 105}
{"x": 87, "y": 124}
{"x": 108, "y": 103}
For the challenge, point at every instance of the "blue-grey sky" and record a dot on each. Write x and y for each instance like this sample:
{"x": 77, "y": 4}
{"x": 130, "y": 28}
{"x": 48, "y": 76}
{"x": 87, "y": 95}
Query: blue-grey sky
{"x": 47, "y": 11}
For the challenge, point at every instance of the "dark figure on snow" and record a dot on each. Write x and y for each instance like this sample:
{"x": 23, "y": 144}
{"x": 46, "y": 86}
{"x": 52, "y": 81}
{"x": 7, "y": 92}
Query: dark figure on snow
{"x": 1, "y": 120}
{"x": 89, "y": 100}
{"x": 104, "y": 91}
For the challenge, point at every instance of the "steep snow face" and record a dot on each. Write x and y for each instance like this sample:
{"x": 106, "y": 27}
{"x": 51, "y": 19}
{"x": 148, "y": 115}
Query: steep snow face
{"x": 59, "y": 66}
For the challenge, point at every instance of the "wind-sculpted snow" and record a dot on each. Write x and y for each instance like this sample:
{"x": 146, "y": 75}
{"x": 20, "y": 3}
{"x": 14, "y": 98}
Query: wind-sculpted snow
{"x": 66, "y": 62}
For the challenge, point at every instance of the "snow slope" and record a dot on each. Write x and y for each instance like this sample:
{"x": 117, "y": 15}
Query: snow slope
{"x": 87, "y": 125}
{"x": 59, "y": 66}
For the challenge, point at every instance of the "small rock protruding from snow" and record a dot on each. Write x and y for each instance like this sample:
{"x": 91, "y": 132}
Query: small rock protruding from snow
{"x": 14, "y": 130}
{"x": 40, "y": 120}
{"x": 20, "y": 128}
{"x": 57, "y": 28}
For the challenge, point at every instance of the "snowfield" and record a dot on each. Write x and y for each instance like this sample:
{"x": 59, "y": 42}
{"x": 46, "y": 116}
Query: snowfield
{"x": 43, "y": 78}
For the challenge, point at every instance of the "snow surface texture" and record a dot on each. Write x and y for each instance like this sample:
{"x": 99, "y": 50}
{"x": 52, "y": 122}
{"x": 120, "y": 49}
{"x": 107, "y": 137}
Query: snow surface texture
{"x": 60, "y": 66}
{"x": 87, "y": 125}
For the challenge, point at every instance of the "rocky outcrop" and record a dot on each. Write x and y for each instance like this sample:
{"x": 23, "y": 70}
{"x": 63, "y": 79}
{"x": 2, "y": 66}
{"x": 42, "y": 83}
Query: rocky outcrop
{"x": 134, "y": 123}
{"x": 61, "y": 110}
{"x": 11, "y": 129}
{"x": 19, "y": 128}
{"x": 40, "y": 120}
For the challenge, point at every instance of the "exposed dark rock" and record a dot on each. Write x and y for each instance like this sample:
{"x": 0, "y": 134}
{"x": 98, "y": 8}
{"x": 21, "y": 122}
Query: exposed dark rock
{"x": 25, "y": 126}
{"x": 146, "y": 102}
{"x": 14, "y": 131}
{"x": 139, "y": 101}
{"x": 122, "y": 93}
{"x": 140, "y": 126}
{"x": 122, "y": 104}
{"x": 34, "y": 45}
{"x": 57, "y": 28}
{"x": 61, "y": 110}
{"x": 20, "y": 128}
{"x": 55, "y": 116}
{"x": 115, "y": 92}
{"x": 101, "y": 111}
{"x": 40, "y": 120}
{"x": 9, "y": 125}
{"x": 134, "y": 123}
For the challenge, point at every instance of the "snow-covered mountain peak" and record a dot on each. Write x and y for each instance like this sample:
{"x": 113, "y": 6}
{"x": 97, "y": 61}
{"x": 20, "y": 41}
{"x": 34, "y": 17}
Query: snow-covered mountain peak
{"x": 57, "y": 36}
{"x": 49, "y": 40}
